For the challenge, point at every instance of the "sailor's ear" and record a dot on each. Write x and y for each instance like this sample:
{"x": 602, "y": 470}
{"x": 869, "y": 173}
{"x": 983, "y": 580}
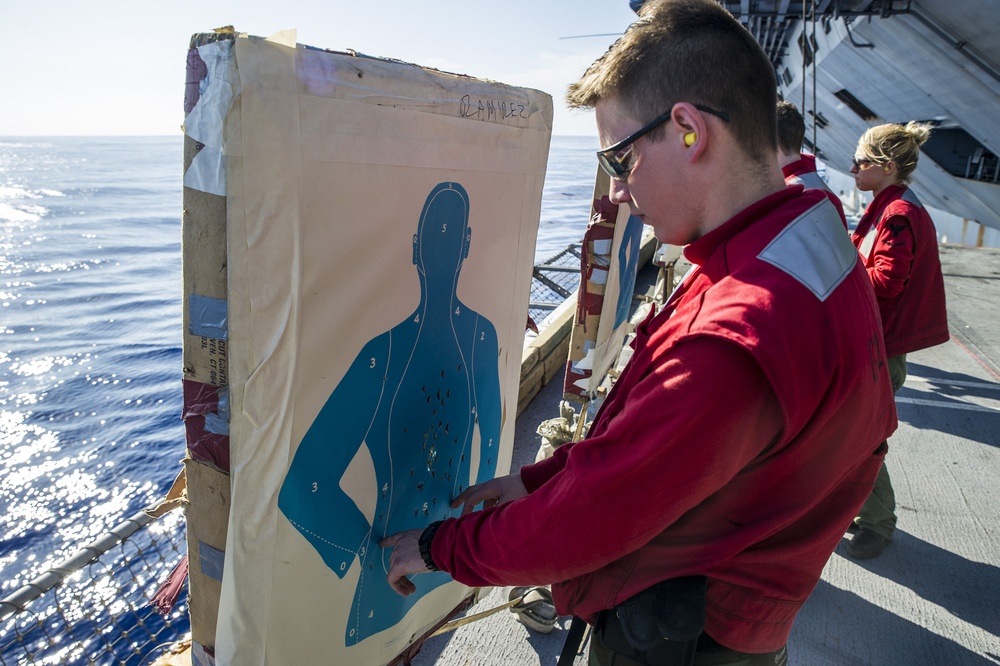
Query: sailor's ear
{"x": 416, "y": 249}
{"x": 468, "y": 242}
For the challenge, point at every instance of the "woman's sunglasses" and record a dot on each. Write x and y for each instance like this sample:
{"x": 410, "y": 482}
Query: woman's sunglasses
{"x": 615, "y": 159}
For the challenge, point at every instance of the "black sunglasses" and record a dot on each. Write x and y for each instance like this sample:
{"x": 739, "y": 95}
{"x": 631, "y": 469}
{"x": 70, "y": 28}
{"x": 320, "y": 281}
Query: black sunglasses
{"x": 613, "y": 158}
{"x": 862, "y": 164}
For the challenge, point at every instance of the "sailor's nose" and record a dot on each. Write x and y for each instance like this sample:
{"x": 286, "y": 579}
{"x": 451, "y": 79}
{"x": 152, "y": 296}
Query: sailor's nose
{"x": 619, "y": 192}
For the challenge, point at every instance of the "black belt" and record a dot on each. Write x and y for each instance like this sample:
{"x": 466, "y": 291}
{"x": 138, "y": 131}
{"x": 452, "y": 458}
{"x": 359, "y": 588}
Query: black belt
{"x": 659, "y": 625}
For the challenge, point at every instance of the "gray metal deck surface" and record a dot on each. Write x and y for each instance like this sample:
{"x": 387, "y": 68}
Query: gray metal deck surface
{"x": 932, "y": 596}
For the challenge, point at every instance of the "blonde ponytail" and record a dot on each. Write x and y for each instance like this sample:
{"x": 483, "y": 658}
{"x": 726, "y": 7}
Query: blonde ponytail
{"x": 919, "y": 132}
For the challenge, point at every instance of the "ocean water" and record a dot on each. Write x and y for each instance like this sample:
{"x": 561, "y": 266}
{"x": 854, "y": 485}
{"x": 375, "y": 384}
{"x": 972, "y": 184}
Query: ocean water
{"x": 89, "y": 340}
{"x": 90, "y": 330}
{"x": 568, "y": 194}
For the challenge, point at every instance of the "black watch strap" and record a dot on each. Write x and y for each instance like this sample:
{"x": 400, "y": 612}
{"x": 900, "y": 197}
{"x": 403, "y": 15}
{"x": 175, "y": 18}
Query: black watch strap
{"x": 424, "y": 545}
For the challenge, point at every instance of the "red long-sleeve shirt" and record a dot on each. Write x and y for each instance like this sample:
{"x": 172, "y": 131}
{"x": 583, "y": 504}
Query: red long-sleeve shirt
{"x": 738, "y": 443}
{"x": 898, "y": 244}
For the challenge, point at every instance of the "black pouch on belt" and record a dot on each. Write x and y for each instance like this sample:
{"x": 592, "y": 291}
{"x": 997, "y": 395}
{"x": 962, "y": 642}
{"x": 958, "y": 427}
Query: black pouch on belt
{"x": 660, "y": 625}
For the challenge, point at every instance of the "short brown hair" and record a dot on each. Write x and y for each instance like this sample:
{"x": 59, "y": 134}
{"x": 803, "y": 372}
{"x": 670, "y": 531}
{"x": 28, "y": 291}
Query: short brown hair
{"x": 688, "y": 51}
{"x": 895, "y": 143}
{"x": 791, "y": 128}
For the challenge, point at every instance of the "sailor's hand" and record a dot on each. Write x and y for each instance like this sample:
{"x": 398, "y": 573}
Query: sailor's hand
{"x": 404, "y": 561}
{"x": 495, "y": 491}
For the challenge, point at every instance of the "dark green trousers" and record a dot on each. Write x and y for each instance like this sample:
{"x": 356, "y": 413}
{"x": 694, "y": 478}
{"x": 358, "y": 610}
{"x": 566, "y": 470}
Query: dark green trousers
{"x": 878, "y": 513}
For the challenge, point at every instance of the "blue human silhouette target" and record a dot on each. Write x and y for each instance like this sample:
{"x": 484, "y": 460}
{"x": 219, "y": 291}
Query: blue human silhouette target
{"x": 417, "y": 398}
{"x": 628, "y": 263}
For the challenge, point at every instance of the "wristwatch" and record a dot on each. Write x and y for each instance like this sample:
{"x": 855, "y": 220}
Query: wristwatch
{"x": 424, "y": 544}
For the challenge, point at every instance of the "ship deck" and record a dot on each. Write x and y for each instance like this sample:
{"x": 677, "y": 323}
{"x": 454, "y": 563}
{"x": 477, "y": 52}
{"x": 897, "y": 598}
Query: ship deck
{"x": 931, "y": 597}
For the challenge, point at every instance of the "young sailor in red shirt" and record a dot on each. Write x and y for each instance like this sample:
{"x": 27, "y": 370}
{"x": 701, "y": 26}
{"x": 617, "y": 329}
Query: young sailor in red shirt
{"x": 747, "y": 429}
{"x": 899, "y": 248}
{"x": 797, "y": 167}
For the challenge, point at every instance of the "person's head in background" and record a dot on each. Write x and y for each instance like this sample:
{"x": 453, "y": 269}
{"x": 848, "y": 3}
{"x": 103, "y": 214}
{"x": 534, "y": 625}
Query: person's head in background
{"x": 791, "y": 133}
{"x": 887, "y": 155}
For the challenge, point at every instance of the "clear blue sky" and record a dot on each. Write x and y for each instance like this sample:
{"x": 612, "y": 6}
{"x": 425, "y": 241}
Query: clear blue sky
{"x": 116, "y": 67}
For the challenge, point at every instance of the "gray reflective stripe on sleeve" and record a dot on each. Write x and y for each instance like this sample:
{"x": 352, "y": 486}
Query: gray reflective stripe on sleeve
{"x": 813, "y": 249}
{"x": 910, "y": 197}
{"x": 810, "y": 180}
{"x": 868, "y": 243}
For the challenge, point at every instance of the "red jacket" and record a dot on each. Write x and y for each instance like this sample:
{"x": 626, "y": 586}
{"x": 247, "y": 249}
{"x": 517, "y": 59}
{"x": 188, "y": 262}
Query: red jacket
{"x": 899, "y": 247}
{"x": 738, "y": 443}
{"x": 803, "y": 172}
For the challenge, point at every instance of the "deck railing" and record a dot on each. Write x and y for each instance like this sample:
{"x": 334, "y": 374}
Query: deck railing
{"x": 95, "y": 607}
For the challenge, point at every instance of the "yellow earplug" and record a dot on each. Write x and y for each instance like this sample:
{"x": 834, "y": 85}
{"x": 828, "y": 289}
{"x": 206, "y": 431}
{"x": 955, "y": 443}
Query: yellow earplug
{"x": 690, "y": 138}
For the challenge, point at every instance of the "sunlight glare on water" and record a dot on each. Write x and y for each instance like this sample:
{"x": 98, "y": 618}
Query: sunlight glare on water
{"x": 89, "y": 335}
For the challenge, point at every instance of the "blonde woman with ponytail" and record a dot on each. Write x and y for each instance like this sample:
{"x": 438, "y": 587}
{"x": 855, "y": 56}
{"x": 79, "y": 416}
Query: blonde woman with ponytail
{"x": 898, "y": 245}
